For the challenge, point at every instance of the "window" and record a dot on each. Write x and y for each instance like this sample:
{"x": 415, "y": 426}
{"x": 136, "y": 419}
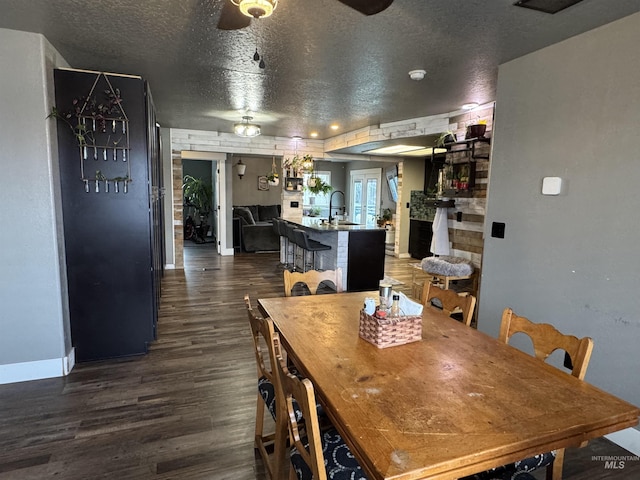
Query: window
{"x": 316, "y": 204}
{"x": 392, "y": 180}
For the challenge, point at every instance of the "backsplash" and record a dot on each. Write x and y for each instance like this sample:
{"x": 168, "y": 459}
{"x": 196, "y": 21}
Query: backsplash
{"x": 421, "y": 206}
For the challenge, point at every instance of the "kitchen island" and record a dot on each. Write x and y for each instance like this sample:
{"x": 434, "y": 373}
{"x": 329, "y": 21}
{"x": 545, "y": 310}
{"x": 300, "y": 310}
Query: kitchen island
{"x": 357, "y": 249}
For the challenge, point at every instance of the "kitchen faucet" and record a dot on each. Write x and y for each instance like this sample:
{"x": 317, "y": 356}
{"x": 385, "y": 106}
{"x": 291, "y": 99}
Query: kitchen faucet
{"x": 344, "y": 208}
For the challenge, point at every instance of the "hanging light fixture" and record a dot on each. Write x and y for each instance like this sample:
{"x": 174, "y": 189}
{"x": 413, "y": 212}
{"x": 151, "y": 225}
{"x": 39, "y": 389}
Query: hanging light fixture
{"x": 256, "y": 8}
{"x": 240, "y": 168}
{"x": 246, "y": 129}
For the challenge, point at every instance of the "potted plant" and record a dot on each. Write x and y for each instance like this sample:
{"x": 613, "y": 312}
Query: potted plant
{"x": 198, "y": 194}
{"x": 293, "y": 165}
{"x": 476, "y": 129}
{"x": 385, "y": 217}
{"x": 314, "y": 211}
{"x": 319, "y": 186}
{"x": 273, "y": 179}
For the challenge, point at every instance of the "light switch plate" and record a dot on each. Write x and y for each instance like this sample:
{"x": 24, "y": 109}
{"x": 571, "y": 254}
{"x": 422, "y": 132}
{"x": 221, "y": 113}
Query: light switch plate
{"x": 551, "y": 185}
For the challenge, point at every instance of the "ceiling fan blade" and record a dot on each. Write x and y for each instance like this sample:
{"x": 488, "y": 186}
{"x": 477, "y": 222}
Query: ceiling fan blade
{"x": 231, "y": 18}
{"x": 368, "y": 7}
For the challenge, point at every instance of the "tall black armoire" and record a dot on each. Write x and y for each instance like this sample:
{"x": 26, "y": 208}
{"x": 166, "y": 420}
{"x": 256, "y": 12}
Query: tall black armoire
{"x": 111, "y": 179}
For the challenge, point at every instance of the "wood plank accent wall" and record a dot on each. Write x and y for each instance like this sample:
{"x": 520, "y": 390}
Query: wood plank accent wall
{"x": 178, "y": 221}
{"x": 466, "y": 236}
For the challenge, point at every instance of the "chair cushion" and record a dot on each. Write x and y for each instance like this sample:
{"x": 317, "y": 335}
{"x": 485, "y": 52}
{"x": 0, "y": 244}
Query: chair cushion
{"x": 516, "y": 471}
{"x": 339, "y": 462}
{"x": 245, "y": 214}
{"x": 268, "y": 394}
{"x": 449, "y": 266}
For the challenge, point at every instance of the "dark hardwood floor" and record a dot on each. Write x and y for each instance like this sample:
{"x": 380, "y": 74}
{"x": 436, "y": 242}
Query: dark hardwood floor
{"x": 186, "y": 409}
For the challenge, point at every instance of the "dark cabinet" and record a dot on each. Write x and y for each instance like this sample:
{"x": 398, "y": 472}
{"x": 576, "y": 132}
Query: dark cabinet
{"x": 420, "y": 233}
{"x": 111, "y": 184}
{"x": 366, "y": 260}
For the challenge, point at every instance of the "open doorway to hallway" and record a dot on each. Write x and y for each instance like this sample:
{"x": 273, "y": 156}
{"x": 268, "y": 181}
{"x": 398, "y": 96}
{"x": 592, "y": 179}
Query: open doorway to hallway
{"x": 201, "y": 226}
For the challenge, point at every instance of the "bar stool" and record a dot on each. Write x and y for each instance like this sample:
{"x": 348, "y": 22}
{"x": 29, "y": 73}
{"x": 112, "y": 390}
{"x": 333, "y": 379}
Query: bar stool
{"x": 281, "y": 230}
{"x": 293, "y": 243}
{"x": 309, "y": 245}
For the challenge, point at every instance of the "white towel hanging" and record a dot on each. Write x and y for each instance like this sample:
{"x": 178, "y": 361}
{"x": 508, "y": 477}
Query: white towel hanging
{"x": 440, "y": 238}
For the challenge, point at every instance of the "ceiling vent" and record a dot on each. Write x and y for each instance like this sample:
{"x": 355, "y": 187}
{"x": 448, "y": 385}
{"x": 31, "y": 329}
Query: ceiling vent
{"x": 546, "y": 6}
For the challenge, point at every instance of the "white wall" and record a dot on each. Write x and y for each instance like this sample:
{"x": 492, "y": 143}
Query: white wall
{"x": 571, "y": 110}
{"x": 34, "y": 321}
{"x": 167, "y": 178}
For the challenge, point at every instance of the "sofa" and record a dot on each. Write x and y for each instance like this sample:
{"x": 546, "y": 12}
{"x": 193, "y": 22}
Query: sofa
{"x": 256, "y": 229}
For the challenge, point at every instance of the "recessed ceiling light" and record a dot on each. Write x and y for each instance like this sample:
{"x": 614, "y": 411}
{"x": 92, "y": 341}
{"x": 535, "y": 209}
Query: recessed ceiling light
{"x": 395, "y": 149}
{"x": 335, "y": 126}
{"x": 469, "y": 106}
{"x": 314, "y": 134}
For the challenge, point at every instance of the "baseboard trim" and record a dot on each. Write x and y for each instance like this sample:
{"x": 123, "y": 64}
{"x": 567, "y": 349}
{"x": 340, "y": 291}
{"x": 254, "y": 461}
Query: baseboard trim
{"x": 38, "y": 370}
{"x": 629, "y": 439}
{"x": 169, "y": 266}
{"x": 227, "y": 251}
{"x": 404, "y": 255}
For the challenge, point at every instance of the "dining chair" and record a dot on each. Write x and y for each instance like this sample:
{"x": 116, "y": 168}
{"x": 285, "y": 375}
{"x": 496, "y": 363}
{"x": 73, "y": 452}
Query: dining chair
{"x": 450, "y": 301}
{"x": 312, "y": 279}
{"x": 315, "y": 454}
{"x": 262, "y": 332}
{"x": 546, "y": 339}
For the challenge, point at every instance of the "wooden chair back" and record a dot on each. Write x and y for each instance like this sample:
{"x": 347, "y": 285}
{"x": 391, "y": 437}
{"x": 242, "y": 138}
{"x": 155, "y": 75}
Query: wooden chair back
{"x": 263, "y": 334}
{"x": 546, "y": 339}
{"x": 301, "y": 390}
{"x": 312, "y": 279}
{"x": 450, "y": 301}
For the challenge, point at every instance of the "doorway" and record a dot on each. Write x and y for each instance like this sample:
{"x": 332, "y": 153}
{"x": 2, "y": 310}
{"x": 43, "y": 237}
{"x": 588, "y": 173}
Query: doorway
{"x": 215, "y": 249}
{"x": 364, "y": 195}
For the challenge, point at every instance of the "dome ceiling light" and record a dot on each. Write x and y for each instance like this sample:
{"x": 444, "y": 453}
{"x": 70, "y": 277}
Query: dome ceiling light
{"x": 256, "y": 8}
{"x": 417, "y": 74}
{"x": 246, "y": 129}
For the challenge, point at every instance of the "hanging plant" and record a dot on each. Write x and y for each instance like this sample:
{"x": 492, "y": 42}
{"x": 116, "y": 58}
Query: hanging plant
{"x": 319, "y": 186}
{"x": 272, "y": 177}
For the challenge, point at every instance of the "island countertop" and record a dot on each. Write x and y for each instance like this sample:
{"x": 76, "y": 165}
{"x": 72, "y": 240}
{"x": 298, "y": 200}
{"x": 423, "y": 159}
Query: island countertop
{"x": 357, "y": 249}
{"x": 314, "y": 223}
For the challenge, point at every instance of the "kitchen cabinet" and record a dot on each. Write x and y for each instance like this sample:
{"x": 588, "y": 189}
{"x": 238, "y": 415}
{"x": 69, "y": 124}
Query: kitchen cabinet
{"x": 112, "y": 211}
{"x": 420, "y": 233}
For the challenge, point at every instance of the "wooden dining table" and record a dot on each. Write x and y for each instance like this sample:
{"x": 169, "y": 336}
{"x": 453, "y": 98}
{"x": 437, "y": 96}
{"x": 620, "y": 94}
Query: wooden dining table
{"x": 455, "y": 403}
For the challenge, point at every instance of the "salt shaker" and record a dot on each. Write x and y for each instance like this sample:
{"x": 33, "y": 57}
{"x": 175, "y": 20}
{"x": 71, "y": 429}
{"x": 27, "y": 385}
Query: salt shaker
{"x": 395, "y": 306}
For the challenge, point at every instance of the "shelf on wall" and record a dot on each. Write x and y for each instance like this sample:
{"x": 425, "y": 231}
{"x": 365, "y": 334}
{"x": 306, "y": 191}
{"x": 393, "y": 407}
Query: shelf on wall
{"x": 295, "y": 182}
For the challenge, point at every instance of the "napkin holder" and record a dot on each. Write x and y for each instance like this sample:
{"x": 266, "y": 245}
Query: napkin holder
{"x": 390, "y": 332}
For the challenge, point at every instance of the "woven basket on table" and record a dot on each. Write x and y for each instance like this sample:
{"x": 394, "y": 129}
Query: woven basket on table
{"x": 390, "y": 332}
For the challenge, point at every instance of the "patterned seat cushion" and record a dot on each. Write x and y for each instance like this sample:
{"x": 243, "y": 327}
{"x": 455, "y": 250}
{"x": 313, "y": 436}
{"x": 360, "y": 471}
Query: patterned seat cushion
{"x": 339, "y": 462}
{"x": 516, "y": 471}
{"x": 268, "y": 394}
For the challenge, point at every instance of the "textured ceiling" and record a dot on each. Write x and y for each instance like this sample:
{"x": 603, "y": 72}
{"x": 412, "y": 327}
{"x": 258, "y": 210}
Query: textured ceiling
{"x": 325, "y": 63}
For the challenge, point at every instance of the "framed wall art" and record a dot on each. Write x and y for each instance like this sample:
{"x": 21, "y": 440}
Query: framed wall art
{"x": 263, "y": 183}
